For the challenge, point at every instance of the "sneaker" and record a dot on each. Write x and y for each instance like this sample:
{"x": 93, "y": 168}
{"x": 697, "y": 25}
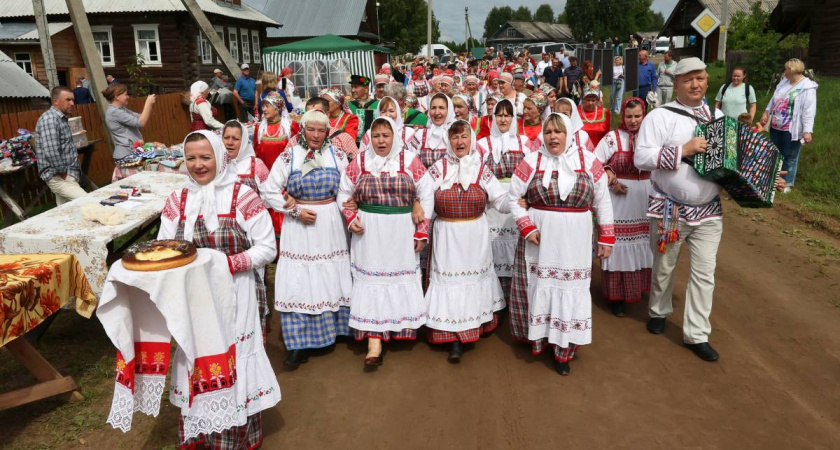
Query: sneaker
{"x": 786, "y": 190}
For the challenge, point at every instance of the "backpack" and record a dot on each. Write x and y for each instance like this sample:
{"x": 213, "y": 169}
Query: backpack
{"x": 746, "y": 94}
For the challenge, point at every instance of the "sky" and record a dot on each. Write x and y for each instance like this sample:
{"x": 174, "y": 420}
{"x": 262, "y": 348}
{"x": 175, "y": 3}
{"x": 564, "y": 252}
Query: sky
{"x": 450, "y": 13}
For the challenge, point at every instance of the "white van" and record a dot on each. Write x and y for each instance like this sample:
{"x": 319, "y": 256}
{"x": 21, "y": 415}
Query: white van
{"x": 662, "y": 45}
{"x": 437, "y": 50}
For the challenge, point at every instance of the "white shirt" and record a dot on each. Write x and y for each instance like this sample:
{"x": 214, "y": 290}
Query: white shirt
{"x": 541, "y": 66}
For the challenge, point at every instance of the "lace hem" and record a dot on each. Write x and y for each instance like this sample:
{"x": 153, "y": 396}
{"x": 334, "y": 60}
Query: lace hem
{"x": 148, "y": 390}
{"x": 122, "y": 408}
{"x": 212, "y": 412}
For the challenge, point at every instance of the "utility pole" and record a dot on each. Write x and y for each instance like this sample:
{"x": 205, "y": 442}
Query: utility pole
{"x": 46, "y": 43}
{"x": 467, "y": 28}
{"x": 217, "y": 42}
{"x": 429, "y": 33}
{"x": 724, "y": 31}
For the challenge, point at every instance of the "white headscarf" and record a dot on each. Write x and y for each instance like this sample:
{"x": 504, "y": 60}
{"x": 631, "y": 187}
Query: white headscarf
{"x": 196, "y": 89}
{"x": 502, "y": 142}
{"x": 436, "y": 135}
{"x": 389, "y": 163}
{"x": 463, "y": 170}
{"x": 314, "y": 116}
{"x": 565, "y": 164}
{"x": 577, "y": 123}
{"x": 246, "y": 150}
{"x": 204, "y": 196}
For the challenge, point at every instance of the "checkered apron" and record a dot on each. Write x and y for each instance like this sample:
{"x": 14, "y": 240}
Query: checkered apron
{"x": 429, "y": 156}
{"x": 621, "y": 162}
{"x": 539, "y": 197}
{"x": 510, "y": 159}
{"x": 385, "y": 191}
{"x": 319, "y": 184}
{"x": 229, "y": 239}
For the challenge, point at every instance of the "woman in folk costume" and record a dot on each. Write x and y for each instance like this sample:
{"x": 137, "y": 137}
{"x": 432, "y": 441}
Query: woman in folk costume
{"x": 215, "y": 211}
{"x": 390, "y": 108}
{"x": 341, "y": 118}
{"x": 472, "y": 87}
{"x": 252, "y": 171}
{"x": 419, "y": 86}
{"x": 596, "y": 118}
{"x": 626, "y": 274}
{"x": 464, "y": 293}
{"x": 462, "y": 105}
{"x": 550, "y": 303}
{"x": 274, "y": 131}
{"x": 567, "y": 107}
{"x": 385, "y": 248}
{"x": 534, "y": 111}
{"x": 430, "y": 143}
{"x": 486, "y": 121}
{"x": 313, "y": 283}
{"x": 201, "y": 112}
{"x": 502, "y": 151}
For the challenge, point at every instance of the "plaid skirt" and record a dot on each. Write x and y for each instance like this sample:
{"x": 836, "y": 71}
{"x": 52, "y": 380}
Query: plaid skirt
{"x": 625, "y": 286}
{"x": 302, "y": 331}
{"x": 245, "y": 437}
{"x": 406, "y": 334}
{"x": 471, "y": 335}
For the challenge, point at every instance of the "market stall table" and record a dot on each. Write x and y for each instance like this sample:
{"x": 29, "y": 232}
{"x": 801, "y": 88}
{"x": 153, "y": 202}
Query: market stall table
{"x": 64, "y": 230}
{"x": 33, "y": 288}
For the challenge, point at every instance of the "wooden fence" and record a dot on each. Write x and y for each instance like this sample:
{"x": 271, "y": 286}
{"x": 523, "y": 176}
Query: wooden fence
{"x": 736, "y": 58}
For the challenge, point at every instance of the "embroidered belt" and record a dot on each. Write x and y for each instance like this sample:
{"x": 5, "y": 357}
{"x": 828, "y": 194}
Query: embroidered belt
{"x": 382, "y": 209}
{"x": 561, "y": 209}
{"x": 325, "y": 201}
{"x": 458, "y": 219}
{"x": 641, "y": 176}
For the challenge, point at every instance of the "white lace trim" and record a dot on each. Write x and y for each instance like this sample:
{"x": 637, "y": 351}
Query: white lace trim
{"x": 148, "y": 390}
{"x": 212, "y": 412}
{"x": 122, "y": 408}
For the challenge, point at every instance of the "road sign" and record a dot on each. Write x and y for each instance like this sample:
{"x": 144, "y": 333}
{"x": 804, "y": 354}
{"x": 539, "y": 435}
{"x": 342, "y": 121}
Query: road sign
{"x": 706, "y": 23}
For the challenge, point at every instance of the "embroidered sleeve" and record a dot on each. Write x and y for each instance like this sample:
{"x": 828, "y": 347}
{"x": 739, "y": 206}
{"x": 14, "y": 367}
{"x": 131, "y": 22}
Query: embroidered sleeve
{"x": 239, "y": 262}
{"x": 669, "y": 158}
{"x": 597, "y": 170}
{"x": 526, "y": 226}
{"x": 353, "y": 171}
{"x": 249, "y": 204}
{"x": 261, "y": 171}
{"x": 602, "y": 204}
{"x": 170, "y": 217}
{"x": 606, "y": 234}
{"x": 171, "y": 208}
{"x": 286, "y": 156}
{"x": 414, "y": 143}
{"x": 486, "y": 174}
{"x": 346, "y": 188}
{"x": 347, "y": 144}
{"x": 417, "y": 169}
{"x": 349, "y": 216}
{"x": 422, "y": 231}
{"x": 434, "y": 172}
{"x": 523, "y": 171}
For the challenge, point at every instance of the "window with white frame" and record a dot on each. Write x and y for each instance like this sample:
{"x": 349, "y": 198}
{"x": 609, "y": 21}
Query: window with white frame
{"x": 147, "y": 44}
{"x": 221, "y": 32}
{"x": 246, "y": 46}
{"x": 255, "y": 37}
{"x": 104, "y": 42}
{"x": 205, "y": 50}
{"x": 310, "y": 77}
{"x": 24, "y": 61}
{"x": 234, "y": 46}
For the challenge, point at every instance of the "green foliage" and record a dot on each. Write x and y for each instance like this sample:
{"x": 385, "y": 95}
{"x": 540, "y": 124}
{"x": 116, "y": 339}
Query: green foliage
{"x": 748, "y": 32}
{"x": 523, "y": 13}
{"x": 596, "y": 20}
{"x": 561, "y": 18}
{"x": 497, "y": 17}
{"x": 801, "y": 40}
{"x": 403, "y": 22}
{"x": 544, "y": 13}
{"x": 140, "y": 80}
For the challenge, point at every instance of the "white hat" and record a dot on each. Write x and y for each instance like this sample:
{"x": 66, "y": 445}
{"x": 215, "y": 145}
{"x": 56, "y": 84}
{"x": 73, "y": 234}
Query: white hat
{"x": 687, "y": 65}
{"x": 245, "y": 66}
{"x": 217, "y": 71}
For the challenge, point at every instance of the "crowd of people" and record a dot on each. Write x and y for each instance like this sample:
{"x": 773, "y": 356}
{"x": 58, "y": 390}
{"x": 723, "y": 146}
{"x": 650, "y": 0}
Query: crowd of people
{"x": 438, "y": 197}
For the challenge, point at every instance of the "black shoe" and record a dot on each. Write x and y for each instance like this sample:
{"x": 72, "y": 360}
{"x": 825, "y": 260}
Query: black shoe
{"x": 296, "y": 358}
{"x": 704, "y": 351}
{"x": 617, "y": 308}
{"x": 656, "y": 325}
{"x": 456, "y": 351}
{"x": 563, "y": 368}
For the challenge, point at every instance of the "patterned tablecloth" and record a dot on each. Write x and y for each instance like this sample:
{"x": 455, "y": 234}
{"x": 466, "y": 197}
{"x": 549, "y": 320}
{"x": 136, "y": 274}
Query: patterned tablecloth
{"x": 64, "y": 230}
{"x": 33, "y": 287}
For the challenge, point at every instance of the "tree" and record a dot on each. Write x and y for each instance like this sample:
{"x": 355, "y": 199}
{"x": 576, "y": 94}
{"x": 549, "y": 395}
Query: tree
{"x": 523, "y": 13}
{"x": 561, "y": 18}
{"x": 595, "y": 20}
{"x": 544, "y": 14}
{"x": 400, "y": 22}
{"x": 497, "y": 17}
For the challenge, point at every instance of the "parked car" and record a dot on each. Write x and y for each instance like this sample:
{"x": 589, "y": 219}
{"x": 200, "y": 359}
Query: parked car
{"x": 662, "y": 45}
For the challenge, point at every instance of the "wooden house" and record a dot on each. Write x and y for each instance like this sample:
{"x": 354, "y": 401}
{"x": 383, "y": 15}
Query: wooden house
{"x": 18, "y": 91}
{"x": 516, "y": 33}
{"x": 819, "y": 18}
{"x": 174, "y": 51}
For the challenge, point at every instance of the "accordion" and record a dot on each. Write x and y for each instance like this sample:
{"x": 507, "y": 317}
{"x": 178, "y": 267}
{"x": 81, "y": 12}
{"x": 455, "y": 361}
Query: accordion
{"x": 745, "y": 163}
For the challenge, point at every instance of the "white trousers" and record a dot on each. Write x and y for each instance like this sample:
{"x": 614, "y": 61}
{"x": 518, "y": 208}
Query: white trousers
{"x": 65, "y": 190}
{"x": 664, "y": 94}
{"x": 702, "y": 241}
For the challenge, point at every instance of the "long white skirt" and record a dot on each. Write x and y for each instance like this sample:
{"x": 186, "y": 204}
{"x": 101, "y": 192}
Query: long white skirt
{"x": 387, "y": 291}
{"x": 632, "y": 250}
{"x": 313, "y": 270}
{"x": 464, "y": 290}
{"x": 559, "y": 273}
{"x": 504, "y": 235}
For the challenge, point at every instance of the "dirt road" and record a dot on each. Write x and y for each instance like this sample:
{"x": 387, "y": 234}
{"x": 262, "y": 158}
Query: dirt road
{"x": 776, "y": 321}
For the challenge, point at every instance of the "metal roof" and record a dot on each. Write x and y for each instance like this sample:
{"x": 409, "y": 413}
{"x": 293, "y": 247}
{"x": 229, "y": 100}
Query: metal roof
{"x": 16, "y": 83}
{"x": 539, "y": 31}
{"x": 716, "y": 6}
{"x": 23, "y": 8}
{"x": 306, "y": 18}
{"x": 28, "y": 31}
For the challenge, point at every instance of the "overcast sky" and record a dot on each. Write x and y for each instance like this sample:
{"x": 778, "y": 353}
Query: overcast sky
{"x": 450, "y": 13}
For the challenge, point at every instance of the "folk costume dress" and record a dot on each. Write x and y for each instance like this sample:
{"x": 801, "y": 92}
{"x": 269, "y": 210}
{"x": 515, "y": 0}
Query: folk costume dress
{"x": 227, "y": 216}
{"x": 252, "y": 171}
{"x": 387, "y": 293}
{"x": 271, "y": 138}
{"x": 596, "y": 123}
{"x": 403, "y": 132}
{"x": 626, "y": 273}
{"x": 313, "y": 282}
{"x": 581, "y": 137}
{"x": 201, "y": 112}
{"x": 429, "y": 143}
{"x": 550, "y": 303}
{"x": 464, "y": 293}
{"x": 502, "y": 153}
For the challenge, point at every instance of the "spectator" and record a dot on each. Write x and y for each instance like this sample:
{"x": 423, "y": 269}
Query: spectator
{"x": 544, "y": 63}
{"x": 665, "y": 79}
{"x": 553, "y": 75}
{"x": 225, "y": 95}
{"x": 124, "y": 123}
{"x": 81, "y": 95}
{"x": 791, "y": 114}
{"x": 647, "y": 77}
{"x": 245, "y": 91}
{"x": 58, "y": 159}
{"x": 110, "y": 79}
{"x": 573, "y": 75}
{"x": 617, "y": 93}
{"x": 737, "y": 97}
{"x": 566, "y": 62}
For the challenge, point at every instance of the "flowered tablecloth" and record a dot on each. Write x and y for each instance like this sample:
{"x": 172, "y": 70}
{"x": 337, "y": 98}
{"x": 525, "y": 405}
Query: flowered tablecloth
{"x": 33, "y": 287}
{"x": 64, "y": 230}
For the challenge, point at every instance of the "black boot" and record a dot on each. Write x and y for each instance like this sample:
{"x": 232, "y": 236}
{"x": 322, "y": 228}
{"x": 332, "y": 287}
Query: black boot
{"x": 617, "y": 308}
{"x": 563, "y": 368}
{"x": 704, "y": 351}
{"x": 656, "y": 325}
{"x": 456, "y": 351}
{"x": 296, "y": 358}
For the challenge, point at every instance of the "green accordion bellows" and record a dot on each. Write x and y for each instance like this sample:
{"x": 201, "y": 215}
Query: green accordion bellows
{"x": 720, "y": 161}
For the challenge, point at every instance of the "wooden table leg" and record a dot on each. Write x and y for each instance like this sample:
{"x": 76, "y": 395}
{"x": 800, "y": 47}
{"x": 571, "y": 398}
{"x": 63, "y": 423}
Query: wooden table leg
{"x": 51, "y": 381}
{"x": 13, "y": 205}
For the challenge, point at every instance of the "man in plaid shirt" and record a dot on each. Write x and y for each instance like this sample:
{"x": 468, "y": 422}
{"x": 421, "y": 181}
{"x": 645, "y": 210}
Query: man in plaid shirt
{"x": 58, "y": 159}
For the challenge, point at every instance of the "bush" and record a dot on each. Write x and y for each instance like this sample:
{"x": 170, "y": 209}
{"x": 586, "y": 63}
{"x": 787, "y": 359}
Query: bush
{"x": 749, "y": 32}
